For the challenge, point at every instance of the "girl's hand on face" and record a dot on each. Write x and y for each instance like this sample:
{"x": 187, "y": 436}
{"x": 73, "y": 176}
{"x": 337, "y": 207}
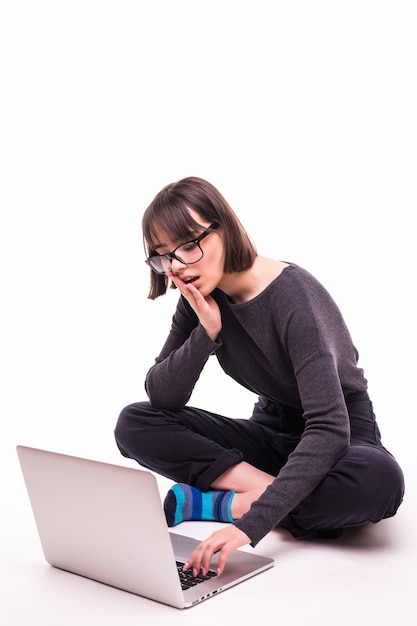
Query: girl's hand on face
{"x": 224, "y": 541}
{"x": 205, "y": 307}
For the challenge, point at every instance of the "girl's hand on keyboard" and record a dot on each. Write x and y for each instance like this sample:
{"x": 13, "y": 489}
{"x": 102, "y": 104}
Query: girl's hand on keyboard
{"x": 224, "y": 541}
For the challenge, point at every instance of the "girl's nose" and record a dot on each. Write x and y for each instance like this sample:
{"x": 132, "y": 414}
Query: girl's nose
{"x": 176, "y": 265}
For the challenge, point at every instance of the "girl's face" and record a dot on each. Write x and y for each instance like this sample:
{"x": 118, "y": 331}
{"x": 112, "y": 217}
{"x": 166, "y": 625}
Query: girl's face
{"x": 206, "y": 273}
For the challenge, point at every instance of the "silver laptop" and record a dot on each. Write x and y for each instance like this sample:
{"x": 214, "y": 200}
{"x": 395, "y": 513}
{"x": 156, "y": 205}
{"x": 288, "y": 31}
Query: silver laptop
{"x": 106, "y": 522}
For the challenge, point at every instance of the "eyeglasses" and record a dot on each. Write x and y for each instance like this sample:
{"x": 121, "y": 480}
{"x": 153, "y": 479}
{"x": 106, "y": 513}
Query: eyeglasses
{"x": 187, "y": 253}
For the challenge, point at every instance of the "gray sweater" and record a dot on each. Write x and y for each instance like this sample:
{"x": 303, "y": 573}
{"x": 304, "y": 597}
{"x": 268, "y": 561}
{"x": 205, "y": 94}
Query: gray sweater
{"x": 289, "y": 344}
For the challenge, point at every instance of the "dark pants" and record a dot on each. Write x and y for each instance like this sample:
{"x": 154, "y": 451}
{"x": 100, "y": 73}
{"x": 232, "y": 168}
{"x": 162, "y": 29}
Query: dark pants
{"x": 195, "y": 447}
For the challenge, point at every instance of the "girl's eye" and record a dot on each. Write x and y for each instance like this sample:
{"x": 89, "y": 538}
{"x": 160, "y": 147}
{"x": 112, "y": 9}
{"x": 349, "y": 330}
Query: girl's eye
{"x": 187, "y": 247}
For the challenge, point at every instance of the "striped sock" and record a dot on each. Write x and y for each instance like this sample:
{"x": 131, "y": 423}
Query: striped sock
{"x": 186, "y": 503}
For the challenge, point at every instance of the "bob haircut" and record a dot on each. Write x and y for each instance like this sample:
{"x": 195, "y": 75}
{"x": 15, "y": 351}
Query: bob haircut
{"x": 169, "y": 211}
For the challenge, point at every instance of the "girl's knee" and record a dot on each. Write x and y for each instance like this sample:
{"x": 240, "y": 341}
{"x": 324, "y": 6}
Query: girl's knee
{"x": 129, "y": 421}
{"x": 380, "y": 480}
{"x": 365, "y": 485}
{"x": 392, "y": 478}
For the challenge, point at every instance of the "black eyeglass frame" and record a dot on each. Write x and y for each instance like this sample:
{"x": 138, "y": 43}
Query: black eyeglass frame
{"x": 172, "y": 255}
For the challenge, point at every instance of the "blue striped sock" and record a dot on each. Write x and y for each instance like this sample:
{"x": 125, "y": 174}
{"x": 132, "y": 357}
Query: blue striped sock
{"x": 186, "y": 503}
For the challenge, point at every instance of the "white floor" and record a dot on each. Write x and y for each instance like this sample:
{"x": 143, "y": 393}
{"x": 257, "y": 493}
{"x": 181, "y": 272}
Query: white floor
{"x": 366, "y": 577}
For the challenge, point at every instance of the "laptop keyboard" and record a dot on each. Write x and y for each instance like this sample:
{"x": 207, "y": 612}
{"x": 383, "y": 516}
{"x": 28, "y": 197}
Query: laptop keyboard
{"x": 188, "y": 580}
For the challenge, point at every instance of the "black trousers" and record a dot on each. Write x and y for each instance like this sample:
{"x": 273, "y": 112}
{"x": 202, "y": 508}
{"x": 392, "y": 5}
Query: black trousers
{"x": 194, "y": 446}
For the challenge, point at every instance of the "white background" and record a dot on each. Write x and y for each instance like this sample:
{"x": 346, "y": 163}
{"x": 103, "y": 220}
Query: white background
{"x": 302, "y": 113}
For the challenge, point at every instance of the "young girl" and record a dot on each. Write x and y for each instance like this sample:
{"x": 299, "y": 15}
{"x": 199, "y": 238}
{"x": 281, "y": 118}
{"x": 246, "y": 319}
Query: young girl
{"x": 310, "y": 458}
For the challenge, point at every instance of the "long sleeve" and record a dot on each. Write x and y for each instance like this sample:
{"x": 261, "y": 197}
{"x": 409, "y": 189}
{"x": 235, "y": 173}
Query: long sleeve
{"x": 324, "y": 441}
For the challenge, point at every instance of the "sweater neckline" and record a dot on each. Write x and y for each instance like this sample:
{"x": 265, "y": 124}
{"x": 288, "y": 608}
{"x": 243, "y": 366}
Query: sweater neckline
{"x": 259, "y": 296}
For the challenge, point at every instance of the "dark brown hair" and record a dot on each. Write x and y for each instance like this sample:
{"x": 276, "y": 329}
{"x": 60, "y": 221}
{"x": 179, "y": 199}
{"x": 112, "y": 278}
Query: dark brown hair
{"x": 169, "y": 211}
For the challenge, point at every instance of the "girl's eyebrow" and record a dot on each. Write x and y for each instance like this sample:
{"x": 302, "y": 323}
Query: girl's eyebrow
{"x": 158, "y": 246}
{"x": 162, "y": 245}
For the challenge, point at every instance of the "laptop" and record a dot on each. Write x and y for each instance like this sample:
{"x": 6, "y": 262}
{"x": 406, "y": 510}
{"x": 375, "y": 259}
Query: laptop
{"x": 106, "y": 522}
